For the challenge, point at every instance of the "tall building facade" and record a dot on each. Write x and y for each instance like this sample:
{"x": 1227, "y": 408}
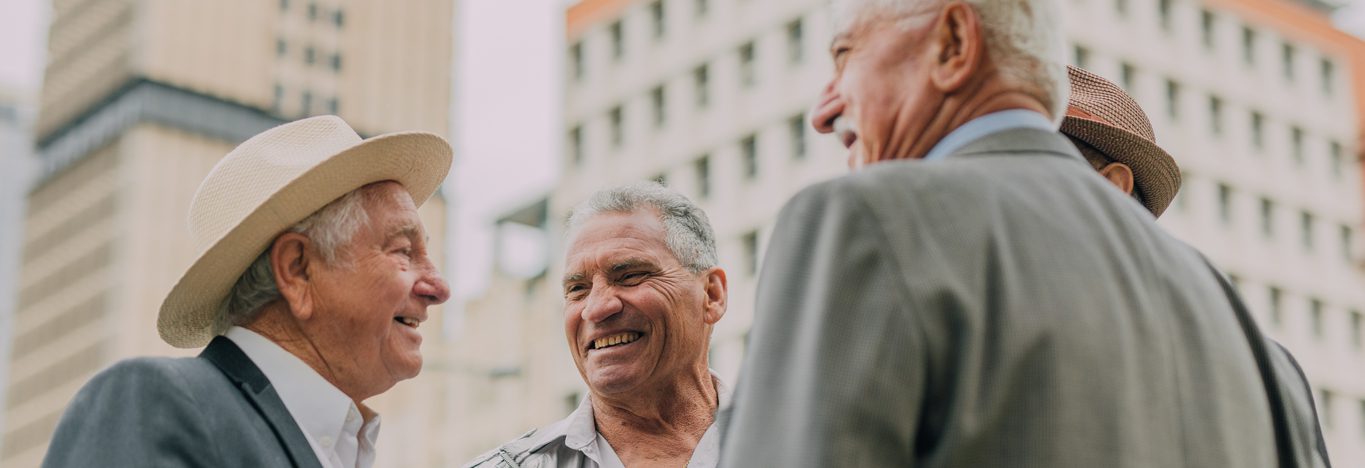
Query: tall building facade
{"x": 140, "y": 99}
{"x": 1260, "y": 102}
{"x": 16, "y": 168}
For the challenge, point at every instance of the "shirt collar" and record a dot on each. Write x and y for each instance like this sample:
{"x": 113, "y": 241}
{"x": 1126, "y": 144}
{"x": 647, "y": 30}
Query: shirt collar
{"x": 319, "y": 408}
{"x": 988, "y": 124}
{"x": 581, "y": 433}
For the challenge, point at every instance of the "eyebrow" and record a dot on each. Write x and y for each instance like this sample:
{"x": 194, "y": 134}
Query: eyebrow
{"x": 411, "y": 231}
{"x": 627, "y": 264}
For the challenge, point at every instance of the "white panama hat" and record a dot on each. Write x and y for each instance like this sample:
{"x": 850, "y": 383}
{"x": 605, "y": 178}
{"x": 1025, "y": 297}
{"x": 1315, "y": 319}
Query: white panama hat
{"x": 271, "y": 182}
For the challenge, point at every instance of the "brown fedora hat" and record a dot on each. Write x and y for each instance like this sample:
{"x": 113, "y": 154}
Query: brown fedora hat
{"x": 1100, "y": 114}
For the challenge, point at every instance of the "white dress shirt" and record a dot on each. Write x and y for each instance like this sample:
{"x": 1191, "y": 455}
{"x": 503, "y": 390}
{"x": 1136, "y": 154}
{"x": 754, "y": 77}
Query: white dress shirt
{"x": 985, "y": 125}
{"x": 333, "y": 425}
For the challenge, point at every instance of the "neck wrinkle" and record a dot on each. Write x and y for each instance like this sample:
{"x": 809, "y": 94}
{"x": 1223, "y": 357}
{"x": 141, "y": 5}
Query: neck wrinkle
{"x": 676, "y": 416}
{"x": 277, "y": 324}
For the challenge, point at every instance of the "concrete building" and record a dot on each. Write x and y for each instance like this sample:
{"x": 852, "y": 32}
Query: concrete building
{"x": 1260, "y": 102}
{"x": 140, "y": 99}
{"x": 16, "y": 168}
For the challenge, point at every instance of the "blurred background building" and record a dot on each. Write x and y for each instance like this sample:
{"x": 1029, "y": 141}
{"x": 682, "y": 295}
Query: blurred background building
{"x": 16, "y": 168}
{"x": 140, "y": 98}
{"x": 1260, "y": 102}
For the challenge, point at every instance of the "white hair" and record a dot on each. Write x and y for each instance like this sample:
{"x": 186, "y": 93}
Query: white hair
{"x": 329, "y": 228}
{"x": 1023, "y": 37}
{"x": 687, "y": 231}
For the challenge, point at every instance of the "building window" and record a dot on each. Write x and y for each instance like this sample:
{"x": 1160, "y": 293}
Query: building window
{"x": 701, "y": 7}
{"x": 617, "y": 125}
{"x": 333, "y": 106}
{"x": 749, "y": 153}
{"x": 1287, "y": 54}
{"x": 1216, "y": 115}
{"x": 661, "y": 179}
{"x": 1173, "y": 99}
{"x": 1267, "y": 217}
{"x": 1347, "y": 239}
{"x": 278, "y": 103}
{"x": 1225, "y": 203}
{"x": 336, "y": 62}
{"x": 1080, "y": 56}
{"x": 306, "y": 103}
{"x": 746, "y": 65}
{"x": 281, "y": 48}
{"x": 618, "y": 40}
{"x": 795, "y": 41}
{"x": 1329, "y": 73}
{"x": 1306, "y": 229}
{"x": 1276, "y": 300}
{"x": 701, "y": 80}
{"x": 571, "y": 402}
{"x": 1296, "y": 144}
{"x": 796, "y": 130}
{"x": 339, "y": 19}
{"x": 310, "y": 55}
{"x": 1236, "y": 282}
{"x": 1164, "y": 11}
{"x": 312, "y": 11}
{"x": 703, "y": 168}
{"x": 284, "y": 5}
{"x": 1258, "y": 130}
{"x": 656, "y": 15}
{"x": 576, "y": 61}
{"x": 1248, "y": 45}
{"x": 1336, "y": 159}
{"x": 750, "y": 242}
{"x": 1121, "y": 6}
{"x": 1325, "y": 408}
{"x": 1206, "y": 26}
{"x": 1128, "y": 75}
{"x": 1315, "y": 316}
{"x": 1357, "y": 329}
{"x": 576, "y": 145}
{"x": 656, "y": 97}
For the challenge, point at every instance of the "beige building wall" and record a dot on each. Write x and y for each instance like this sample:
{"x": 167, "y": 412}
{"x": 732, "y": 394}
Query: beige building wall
{"x": 141, "y": 98}
{"x": 711, "y": 97}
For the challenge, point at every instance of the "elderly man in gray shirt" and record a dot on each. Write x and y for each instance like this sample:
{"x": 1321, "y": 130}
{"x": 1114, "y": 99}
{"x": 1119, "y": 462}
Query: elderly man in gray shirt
{"x": 642, "y": 293}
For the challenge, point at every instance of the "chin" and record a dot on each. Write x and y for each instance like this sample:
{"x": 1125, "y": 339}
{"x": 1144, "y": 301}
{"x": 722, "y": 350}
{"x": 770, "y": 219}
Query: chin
{"x": 611, "y": 381}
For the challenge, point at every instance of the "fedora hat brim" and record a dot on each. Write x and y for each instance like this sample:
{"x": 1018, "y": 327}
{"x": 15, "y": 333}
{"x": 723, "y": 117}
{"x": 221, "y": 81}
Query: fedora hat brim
{"x": 1155, "y": 173}
{"x": 419, "y": 161}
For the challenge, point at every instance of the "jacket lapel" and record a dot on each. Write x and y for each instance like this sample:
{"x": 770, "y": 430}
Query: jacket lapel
{"x": 238, "y": 368}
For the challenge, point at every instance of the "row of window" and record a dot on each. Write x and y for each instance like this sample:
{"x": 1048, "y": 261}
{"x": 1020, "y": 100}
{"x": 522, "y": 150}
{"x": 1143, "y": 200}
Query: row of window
{"x": 308, "y": 104}
{"x": 1269, "y": 210}
{"x": 1288, "y": 52}
{"x": 315, "y": 13}
{"x": 1326, "y": 403}
{"x": 794, "y": 32}
{"x": 311, "y": 56}
{"x": 1317, "y": 315}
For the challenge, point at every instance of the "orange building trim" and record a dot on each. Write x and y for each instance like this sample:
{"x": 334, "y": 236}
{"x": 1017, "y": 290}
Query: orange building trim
{"x": 586, "y": 13}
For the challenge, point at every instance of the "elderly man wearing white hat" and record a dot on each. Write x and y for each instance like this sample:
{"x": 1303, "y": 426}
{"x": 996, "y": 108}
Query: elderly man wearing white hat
{"x": 311, "y": 282}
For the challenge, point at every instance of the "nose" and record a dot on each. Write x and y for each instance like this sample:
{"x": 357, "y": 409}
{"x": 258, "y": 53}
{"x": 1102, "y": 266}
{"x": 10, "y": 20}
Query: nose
{"x": 432, "y": 288}
{"x": 830, "y": 107}
{"x": 602, "y": 304}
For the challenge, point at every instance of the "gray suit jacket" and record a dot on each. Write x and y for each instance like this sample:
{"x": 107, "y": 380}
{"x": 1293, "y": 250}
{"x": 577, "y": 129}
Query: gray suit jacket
{"x": 215, "y": 410}
{"x": 1004, "y": 307}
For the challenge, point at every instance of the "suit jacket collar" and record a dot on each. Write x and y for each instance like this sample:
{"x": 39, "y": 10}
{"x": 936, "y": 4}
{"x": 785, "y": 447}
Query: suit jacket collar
{"x": 248, "y": 378}
{"x": 1022, "y": 140}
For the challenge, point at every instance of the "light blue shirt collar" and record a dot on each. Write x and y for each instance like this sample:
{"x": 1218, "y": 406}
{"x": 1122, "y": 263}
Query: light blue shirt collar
{"x": 988, "y": 124}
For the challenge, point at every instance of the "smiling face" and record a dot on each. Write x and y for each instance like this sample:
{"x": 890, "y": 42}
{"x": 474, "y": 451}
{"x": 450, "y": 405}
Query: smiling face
{"x": 367, "y": 306}
{"x": 635, "y": 318}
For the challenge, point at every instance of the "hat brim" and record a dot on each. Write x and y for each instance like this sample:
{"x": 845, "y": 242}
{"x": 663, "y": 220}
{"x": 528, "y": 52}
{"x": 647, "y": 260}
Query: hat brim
{"x": 1155, "y": 172}
{"x": 419, "y": 161}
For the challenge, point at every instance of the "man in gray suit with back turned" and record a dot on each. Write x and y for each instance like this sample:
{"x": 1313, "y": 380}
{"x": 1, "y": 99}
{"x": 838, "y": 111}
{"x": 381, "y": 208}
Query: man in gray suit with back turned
{"x": 978, "y": 297}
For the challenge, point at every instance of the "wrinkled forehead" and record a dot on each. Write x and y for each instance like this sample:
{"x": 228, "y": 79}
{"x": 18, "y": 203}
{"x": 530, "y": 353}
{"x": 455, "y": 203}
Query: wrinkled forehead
{"x": 605, "y": 233}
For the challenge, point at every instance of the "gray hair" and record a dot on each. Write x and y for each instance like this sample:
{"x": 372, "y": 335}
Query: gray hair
{"x": 1023, "y": 36}
{"x": 329, "y": 228}
{"x": 687, "y": 231}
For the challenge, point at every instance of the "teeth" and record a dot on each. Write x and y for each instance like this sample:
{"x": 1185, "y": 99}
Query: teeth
{"x": 409, "y": 321}
{"x": 614, "y": 340}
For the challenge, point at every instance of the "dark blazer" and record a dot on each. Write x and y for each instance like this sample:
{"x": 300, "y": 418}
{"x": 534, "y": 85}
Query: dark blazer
{"x": 214, "y": 410}
{"x": 1003, "y": 307}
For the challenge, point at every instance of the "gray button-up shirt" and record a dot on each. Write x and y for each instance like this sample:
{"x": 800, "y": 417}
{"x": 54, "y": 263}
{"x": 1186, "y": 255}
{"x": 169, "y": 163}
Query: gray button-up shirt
{"x": 574, "y": 442}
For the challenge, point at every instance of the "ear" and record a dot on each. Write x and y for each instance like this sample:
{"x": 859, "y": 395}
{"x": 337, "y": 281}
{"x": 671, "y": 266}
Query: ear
{"x": 1120, "y": 175}
{"x": 958, "y": 44}
{"x": 717, "y": 295}
{"x": 291, "y": 259}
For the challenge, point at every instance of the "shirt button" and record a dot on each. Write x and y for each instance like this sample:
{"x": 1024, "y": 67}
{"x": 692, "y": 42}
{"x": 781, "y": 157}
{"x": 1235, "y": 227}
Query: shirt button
{"x": 326, "y": 442}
